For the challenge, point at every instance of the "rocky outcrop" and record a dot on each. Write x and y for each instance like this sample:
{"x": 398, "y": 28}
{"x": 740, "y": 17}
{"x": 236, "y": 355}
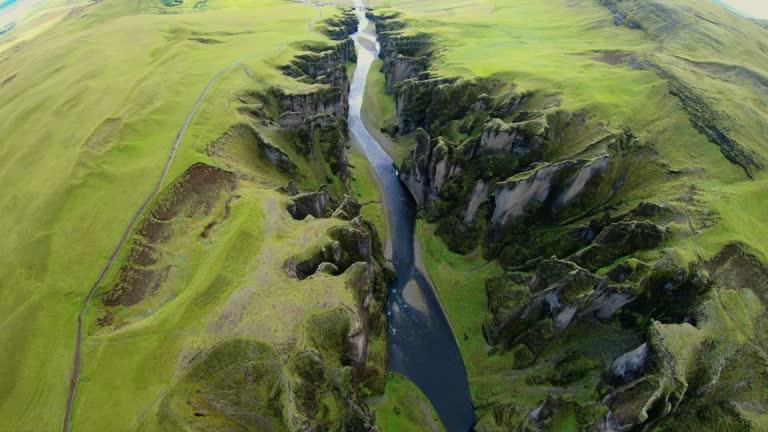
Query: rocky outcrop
{"x": 353, "y": 249}
{"x": 311, "y": 203}
{"x": 548, "y": 189}
{"x": 519, "y": 138}
{"x": 274, "y": 154}
{"x": 586, "y": 175}
{"x": 344, "y": 246}
{"x": 617, "y": 240}
{"x": 516, "y": 197}
{"x": 348, "y": 209}
{"x": 300, "y": 107}
{"x": 322, "y": 64}
{"x": 478, "y": 197}
{"x": 339, "y": 27}
{"x": 430, "y": 166}
{"x": 648, "y": 396}
{"x": 404, "y": 56}
{"x": 629, "y": 366}
{"x": 520, "y": 309}
{"x": 413, "y": 100}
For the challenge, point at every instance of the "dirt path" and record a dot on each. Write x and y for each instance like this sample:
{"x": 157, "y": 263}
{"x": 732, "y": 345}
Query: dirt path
{"x": 79, "y": 338}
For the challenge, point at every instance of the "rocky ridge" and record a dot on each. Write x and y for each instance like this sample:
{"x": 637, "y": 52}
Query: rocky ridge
{"x": 487, "y": 170}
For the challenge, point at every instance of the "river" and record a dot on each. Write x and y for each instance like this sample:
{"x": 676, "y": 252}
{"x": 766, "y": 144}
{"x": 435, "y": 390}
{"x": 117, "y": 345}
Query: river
{"x": 420, "y": 343}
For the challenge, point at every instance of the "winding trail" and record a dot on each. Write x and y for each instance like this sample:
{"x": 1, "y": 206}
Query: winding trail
{"x": 76, "y": 362}
{"x": 116, "y": 251}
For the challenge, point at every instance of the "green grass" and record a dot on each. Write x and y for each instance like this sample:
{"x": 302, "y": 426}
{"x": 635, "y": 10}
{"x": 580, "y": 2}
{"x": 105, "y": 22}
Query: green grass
{"x": 461, "y": 289}
{"x": 224, "y": 289}
{"x": 367, "y": 192}
{"x": 71, "y": 199}
{"x": 405, "y": 408}
{"x": 378, "y": 112}
{"x": 378, "y": 107}
{"x": 460, "y": 285}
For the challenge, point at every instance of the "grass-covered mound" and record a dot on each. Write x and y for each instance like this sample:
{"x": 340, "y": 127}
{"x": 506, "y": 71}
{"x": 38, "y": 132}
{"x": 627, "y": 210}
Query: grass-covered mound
{"x": 405, "y": 408}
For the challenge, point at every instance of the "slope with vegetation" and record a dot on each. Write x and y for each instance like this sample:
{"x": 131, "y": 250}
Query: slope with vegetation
{"x": 249, "y": 293}
{"x": 588, "y": 173}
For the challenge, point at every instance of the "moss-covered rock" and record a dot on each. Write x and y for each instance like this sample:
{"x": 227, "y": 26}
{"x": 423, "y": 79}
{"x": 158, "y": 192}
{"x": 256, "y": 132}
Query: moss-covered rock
{"x": 617, "y": 240}
{"x": 310, "y": 203}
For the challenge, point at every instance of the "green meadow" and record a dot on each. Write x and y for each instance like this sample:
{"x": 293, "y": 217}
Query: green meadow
{"x": 93, "y": 94}
{"x": 89, "y": 110}
{"x": 405, "y": 408}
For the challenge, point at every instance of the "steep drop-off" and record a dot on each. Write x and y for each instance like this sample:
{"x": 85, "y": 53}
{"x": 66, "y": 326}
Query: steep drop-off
{"x": 605, "y": 311}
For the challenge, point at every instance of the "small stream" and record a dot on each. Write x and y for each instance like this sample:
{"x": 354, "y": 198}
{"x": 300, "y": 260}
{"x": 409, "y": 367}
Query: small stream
{"x": 420, "y": 343}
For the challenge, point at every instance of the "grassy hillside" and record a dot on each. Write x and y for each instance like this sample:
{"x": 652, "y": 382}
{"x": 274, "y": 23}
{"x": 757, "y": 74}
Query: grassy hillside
{"x": 405, "y": 408}
{"x": 90, "y": 107}
{"x": 685, "y": 81}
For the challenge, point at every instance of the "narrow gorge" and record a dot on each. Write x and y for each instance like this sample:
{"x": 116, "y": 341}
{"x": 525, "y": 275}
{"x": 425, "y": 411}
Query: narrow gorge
{"x": 420, "y": 341}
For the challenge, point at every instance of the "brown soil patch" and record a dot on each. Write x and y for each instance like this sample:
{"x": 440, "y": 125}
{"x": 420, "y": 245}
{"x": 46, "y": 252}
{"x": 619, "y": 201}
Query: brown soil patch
{"x": 154, "y": 231}
{"x": 105, "y": 319}
{"x": 134, "y": 285}
{"x": 734, "y": 267}
{"x": 143, "y": 255}
{"x": 195, "y": 194}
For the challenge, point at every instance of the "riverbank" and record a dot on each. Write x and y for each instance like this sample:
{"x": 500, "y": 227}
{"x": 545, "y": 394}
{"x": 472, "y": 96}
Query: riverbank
{"x": 420, "y": 343}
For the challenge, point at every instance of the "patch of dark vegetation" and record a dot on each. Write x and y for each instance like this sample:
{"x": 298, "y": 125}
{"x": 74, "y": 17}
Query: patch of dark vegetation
{"x": 735, "y": 267}
{"x": 193, "y": 196}
{"x": 206, "y": 41}
{"x": 612, "y": 57}
{"x": 325, "y": 136}
{"x": 238, "y": 382}
{"x": 133, "y": 285}
{"x": 227, "y": 211}
{"x": 7, "y": 80}
{"x": 617, "y": 240}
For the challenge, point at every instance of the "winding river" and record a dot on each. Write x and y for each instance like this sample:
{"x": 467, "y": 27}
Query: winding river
{"x": 420, "y": 343}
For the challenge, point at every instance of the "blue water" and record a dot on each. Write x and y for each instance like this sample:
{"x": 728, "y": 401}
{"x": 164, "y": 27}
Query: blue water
{"x": 420, "y": 343}
{"x": 5, "y": 3}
